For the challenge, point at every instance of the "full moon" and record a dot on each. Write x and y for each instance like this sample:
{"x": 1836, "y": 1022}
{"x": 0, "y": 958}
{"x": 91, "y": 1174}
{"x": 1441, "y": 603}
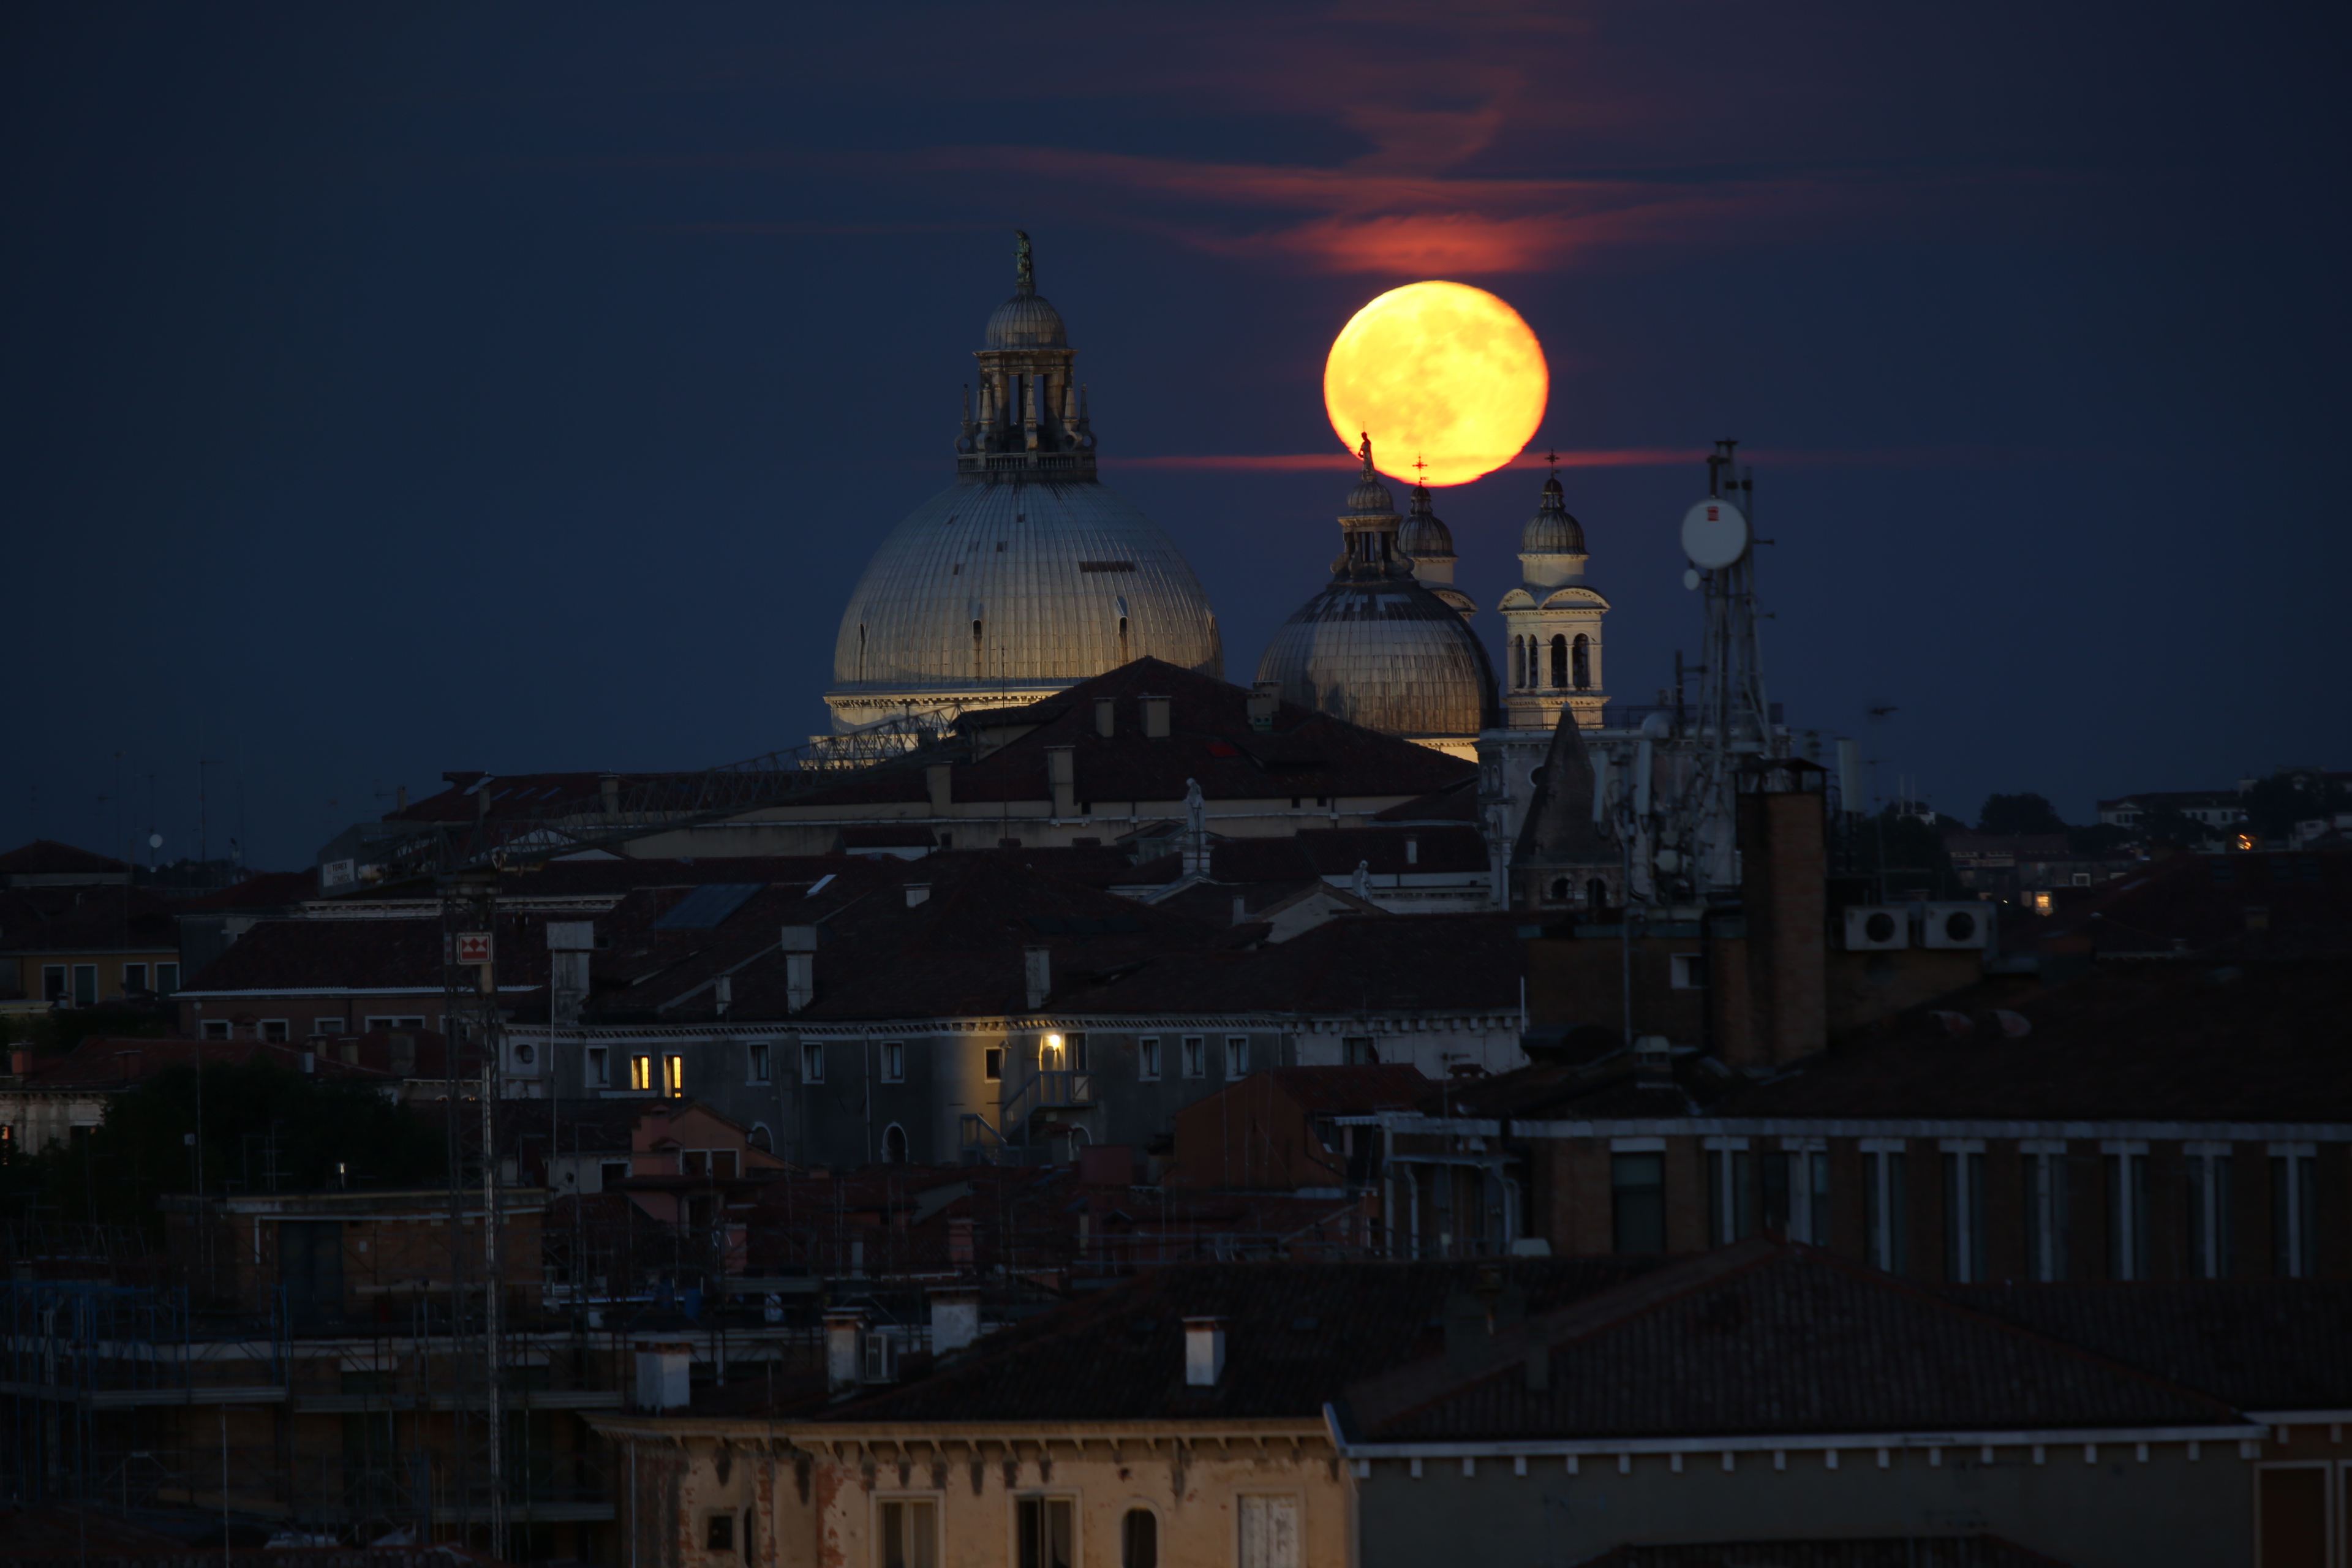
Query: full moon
{"x": 1441, "y": 372}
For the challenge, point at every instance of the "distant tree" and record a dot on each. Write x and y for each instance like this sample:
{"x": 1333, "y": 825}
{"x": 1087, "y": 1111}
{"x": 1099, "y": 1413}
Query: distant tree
{"x": 140, "y": 1152}
{"x": 2098, "y": 837}
{"x": 1910, "y": 855}
{"x": 2170, "y": 825}
{"x": 2008, "y": 814}
{"x": 2274, "y": 805}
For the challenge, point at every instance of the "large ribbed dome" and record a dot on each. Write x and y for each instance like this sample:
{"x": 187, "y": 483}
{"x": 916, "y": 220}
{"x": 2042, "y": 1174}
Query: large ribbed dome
{"x": 1063, "y": 580}
{"x": 1390, "y": 655}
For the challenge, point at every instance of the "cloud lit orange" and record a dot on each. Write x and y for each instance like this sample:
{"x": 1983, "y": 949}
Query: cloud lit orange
{"x": 1441, "y": 372}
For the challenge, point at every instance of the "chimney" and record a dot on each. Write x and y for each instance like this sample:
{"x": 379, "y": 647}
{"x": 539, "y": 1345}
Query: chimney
{"x": 661, "y": 1378}
{"x": 1412, "y": 851}
{"x": 1062, "y": 774}
{"x": 939, "y": 783}
{"x": 955, "y": 1320}
{"x": 1155, "y": 718}
{"x": 609, "y": 786}
{"x": 1240, "y": 908}
{"x": 569, "y": 943}
{"x": 918, "y": 893}
{"x": 842, "y": 1334}
{"x": 1264, "y": 700}
{"x": 309, "y": 1061}
{"x": 1037, "y": 973}
{"x": 1104, "y": 724}
{"x": 402, "y": 1054}
{"x": 1204, "y": 1352}
{"x": 799, "y": 966}
{"x": 400, "y": 798}
{"x": 722, "y": 992}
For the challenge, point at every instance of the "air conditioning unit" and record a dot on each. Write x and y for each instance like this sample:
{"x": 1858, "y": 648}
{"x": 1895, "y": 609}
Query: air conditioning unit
{"x": 1956, "y": 925}
{"x": 1876, "y": 928}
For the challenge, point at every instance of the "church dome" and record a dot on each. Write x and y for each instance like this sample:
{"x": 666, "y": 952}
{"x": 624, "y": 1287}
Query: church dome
{"x": 1375, "y": 646}
{"x": 1026, "y": 320}
{"x": 1551, "y": 532}
{"x": 1424, "y": 536}
{"x": 996, "y": 589}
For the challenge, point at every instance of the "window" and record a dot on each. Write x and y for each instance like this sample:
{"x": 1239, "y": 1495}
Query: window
{"x": 1359, "y": 1051}
{"x": 2127, "y": 1209}
{"x": 1797, "y": 1191}
{"x": 1045, "y": 1532}
{"x": 1147, "y": 1057}
{"x": 1237, "y": 1056}
{"x": 395, "y": 1023}
{"x": 167, "y": 979}
{"x": 991, "y": 1064}
{"x": 1964, "y": 1211}
{"x": 1689, "y": 971}
{"x": 1637, "y": 1201}
{"x": 2045, "y": 1210}
{"x": 2294, "y": 1210}
{"x": 910, "y": 1532}
{"x": 1581, "y": 662}
{"x": 1886, "y": 1204}
{"x": 215, "y": 1029}
{"x": 2205, "y": 1189}
{"x": 525, "y": 1053}
{"x": 894, "y": 1061}
{"x": 676, "y": 1078}
{"x": 1138, "y": 1538}
{"x": 599, "y": 1068}
{"x": 1078, "y": 1045}
{"x": 85, "y": 985}
{"x": 1269, "y": 1532}
{"x": 811, "y": 1061}
{"x": 641, "y": 1074}
{"x": 760, "y": 1138}
{"x": 611, "y": 1174}
{"x": 53, "y": 983}
{"x": 1195, "y": 1058}
{"x": 756, "y": 1061}
{"x": 1560, "y": 662}
{"x": 331, "y": 1027}
{"x": 894, "y": 1144}
{"x": 1730, "y": 1191}
{"x": 134, "y": 977}
{"x": 275, "y": 1030}
{"x": 718, "y": 1534}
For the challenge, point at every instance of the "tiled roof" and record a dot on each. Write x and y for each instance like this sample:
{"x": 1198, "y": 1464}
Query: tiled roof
{"x": 1210, "y": 739}
{"x": 302, "y": 954}
{"x": 2261, "y": 1345}
{"x": 111, "y": 917}
{"x": 1457, "y": 802}
{"x": 1764, "y": 1339}
{"x": 272, "y": 890}
{"x": 1356, "y": 964}
{"x": 47, "y": 857}
{"x": 1295, "y": 1334}
{"x": 2278, "y": 904}
{"x": 1349, "y": 1090}
{"x": 103, "y": 1062}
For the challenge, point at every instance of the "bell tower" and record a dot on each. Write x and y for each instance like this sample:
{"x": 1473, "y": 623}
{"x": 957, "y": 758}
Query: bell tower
{"x": 1551, "y": 623}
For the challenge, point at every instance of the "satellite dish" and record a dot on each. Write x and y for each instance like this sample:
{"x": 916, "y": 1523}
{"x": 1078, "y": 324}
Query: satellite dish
{"x": 155, "y": 841}
{"x": 1714, "y": 534}
{"x": 1690, "y": 578}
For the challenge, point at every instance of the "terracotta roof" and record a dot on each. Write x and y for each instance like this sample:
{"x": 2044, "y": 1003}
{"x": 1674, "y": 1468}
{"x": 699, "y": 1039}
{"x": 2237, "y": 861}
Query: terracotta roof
{"x": 2261, "y": 1344}
{"x": 47, "y": 857}
{"x": 104, "y": 1062}
{"x": 1764, "y": 1339}
{"x": 1296, "y": 1333}
{"x": 1353, "y": 964}
{"x": 107, "y": 918}
{"x": 1349, "y": 1090}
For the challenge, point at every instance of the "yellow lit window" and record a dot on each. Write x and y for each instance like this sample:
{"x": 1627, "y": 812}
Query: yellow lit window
{"x": 640, "y": 1072}
{"x": 2041, "y": 903}
{"x": 677, "y": 1075}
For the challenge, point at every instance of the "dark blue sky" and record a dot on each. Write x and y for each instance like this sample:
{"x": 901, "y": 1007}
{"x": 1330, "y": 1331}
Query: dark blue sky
{"x": 524, "y": 387}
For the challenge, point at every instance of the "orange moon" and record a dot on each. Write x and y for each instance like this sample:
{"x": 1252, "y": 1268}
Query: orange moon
{"x": 1439, "y": 371}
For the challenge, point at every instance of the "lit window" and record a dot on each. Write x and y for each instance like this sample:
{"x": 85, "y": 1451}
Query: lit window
{"x": 2041, "y": 903}
{"x": 1147, "y": 1057}
{"x": 1195, "y": 1058}
{"x": 676, "y": 1076}
{"x": 641, "y": 1074}
{"x": 894, "y": 1062}
{"x": 811, "y": 1062}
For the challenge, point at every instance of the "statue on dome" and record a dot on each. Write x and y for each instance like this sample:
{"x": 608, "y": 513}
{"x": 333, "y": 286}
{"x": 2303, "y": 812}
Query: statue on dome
{"x": 1024, "y": 265}
{"x": 1365, "y": 451}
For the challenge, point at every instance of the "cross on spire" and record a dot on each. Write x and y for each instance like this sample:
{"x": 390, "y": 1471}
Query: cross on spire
{"x": 1417, "y": 466}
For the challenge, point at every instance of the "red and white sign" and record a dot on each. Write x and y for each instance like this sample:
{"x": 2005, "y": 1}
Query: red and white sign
{"x": 473, "y": 947}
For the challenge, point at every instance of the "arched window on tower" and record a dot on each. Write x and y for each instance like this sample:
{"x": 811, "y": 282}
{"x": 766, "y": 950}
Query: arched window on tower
{"x": 1581, "y": 662}
{"x": 1560, "y": 660}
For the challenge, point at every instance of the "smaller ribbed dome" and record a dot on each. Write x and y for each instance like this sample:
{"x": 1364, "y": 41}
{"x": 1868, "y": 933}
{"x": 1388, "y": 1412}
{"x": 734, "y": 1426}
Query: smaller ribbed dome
{"x": 1551, "y": 532}
{"x": 1026, "y": 320}
{"x": 1371, "y": 498}
{"x": 1424, "y": 536}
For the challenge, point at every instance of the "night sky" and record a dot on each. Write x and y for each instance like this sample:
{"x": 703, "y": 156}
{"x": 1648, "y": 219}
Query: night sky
{"x": 391, "y": 390}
